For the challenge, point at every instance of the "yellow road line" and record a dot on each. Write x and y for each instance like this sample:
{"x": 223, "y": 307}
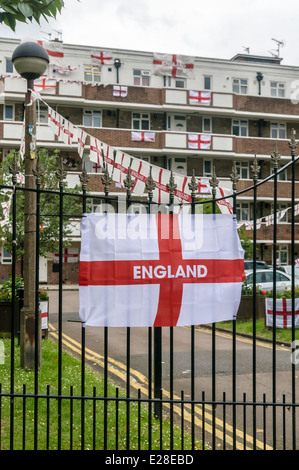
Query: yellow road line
{"x": 141, "y": 382}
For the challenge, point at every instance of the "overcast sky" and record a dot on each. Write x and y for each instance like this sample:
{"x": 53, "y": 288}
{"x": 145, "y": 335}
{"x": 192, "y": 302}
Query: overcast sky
{"x": 215, "y": 28}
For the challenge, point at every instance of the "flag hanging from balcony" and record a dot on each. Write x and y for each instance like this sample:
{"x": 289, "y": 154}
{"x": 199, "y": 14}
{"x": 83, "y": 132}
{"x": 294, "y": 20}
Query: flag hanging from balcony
{"x": 143, "y": 136}
{"x": 173, "y": 65}
{"x": 120, "y": 91}
{"x": 200, "y": 97}
{"x": 199, "y": 141}
{"x": 54, "y": 50}
{"x": 44, "y": 84}
{"x": 159, "y": 269}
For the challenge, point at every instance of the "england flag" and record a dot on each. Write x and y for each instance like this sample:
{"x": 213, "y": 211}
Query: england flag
{"x": 159, "y": 269}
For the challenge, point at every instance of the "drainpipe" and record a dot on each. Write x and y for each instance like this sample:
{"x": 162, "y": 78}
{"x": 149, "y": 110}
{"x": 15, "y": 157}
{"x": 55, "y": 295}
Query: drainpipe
{"x": 259, "y": 77}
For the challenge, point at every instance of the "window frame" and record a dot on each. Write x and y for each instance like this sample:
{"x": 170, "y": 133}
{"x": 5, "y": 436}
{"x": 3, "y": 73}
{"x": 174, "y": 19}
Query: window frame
{"x": 241, "y": 125}
{"x": 241, "y": 207}
{"x": 204, "y": 129}
{"x": 278, "y": 130}
{"x": 143, "y": 77}
{"x": 205, "y": 173}
{"x": 243, "y": 166}
{"x": 240, "y": 86}
{"x": 275, "y": 88}
{"x": 207, "y": 78}
{"x": 7, "y": 259}
{"x": 92, "y": 111}
{"x": 95, "y": 72}
{"x": 5, "y": 118}
{"x": 140, "y": 120}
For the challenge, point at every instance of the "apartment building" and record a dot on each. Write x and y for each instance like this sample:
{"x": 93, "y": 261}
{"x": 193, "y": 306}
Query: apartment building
{"x": 196, "y": 113}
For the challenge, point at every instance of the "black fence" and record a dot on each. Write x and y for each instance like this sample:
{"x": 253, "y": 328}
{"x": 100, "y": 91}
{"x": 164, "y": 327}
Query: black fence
{"x": 163, "y": 388}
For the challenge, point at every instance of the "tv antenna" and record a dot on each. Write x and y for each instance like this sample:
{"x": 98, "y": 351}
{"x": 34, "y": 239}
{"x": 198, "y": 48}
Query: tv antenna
{"x": 279, "y": 45}
{"x": 59, "y": 33}
{"x": 246, "y": 49}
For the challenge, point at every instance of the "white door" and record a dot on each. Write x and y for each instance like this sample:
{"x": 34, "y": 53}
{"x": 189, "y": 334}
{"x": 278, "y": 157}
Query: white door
{"x": 43, "y": 269}
{"x": 176, "y": 122}
{"x": 178, "y": 165}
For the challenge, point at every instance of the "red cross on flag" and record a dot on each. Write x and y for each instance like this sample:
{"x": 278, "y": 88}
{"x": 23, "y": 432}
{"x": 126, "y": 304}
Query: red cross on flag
{"x": 173, "y": 65}
{"x": 159, "y": 269}
{"x": 81, "y": 141}
{"x": 107, "y": 153}
{"x": 140, "y": 171}
{"x": 121, "y": 165}
{"x": 225, "y": 205}
{"x": 199, "y": 141}
{"x": 47, "y": 85}
{"x": 70, "y": 255}
{"x": 69, "y": 132}
{"x": 54, "y": 50}
{"x": 143, "y": 136}
{"x": 283, "y": 313}
{"x": 200, "y": 97}
{"x": 96, "y": 151}
{"x": 102, "y": 57}
{"x": 52, "y": 119}
{"x": 121, "y": 91}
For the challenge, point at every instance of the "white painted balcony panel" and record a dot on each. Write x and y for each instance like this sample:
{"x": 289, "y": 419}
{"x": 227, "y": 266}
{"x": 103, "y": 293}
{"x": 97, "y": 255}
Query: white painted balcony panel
{"x": 44, "y": 133}
{"x": 15, "y": 84}
{"x": 176, "y": 97}
{"x": 176, "y": 140}
{"x": 70, "y": 89}
{"x": 72, "y": 180}
{"x": 222, "y": 143}
{"x": 222, "y": 100}
{"x": 12, "y": 130}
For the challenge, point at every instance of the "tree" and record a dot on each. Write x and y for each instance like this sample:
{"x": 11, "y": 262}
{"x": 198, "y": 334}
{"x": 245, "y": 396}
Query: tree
{"x": 49, "y": 206}
{"x": 13, "y": 11}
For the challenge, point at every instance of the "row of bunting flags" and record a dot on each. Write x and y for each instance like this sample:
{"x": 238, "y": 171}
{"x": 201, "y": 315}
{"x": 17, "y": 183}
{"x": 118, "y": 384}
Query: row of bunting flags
{"x": 269, "y": 219}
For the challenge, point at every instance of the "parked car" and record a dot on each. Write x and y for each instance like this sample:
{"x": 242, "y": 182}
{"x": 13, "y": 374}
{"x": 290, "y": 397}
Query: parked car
{"x": 264, "y": 280}
{"x": 248, "y": 265}
{"x": 288, "y": 269}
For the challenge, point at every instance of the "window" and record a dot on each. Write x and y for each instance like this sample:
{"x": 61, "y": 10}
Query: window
{"x": 282, "y": 256}
{"x": 207, "y": 168}
{"x": 42, "y": 114}
{"x": 92, "y": 73}
{"x": 240, "y": 128}
{"x": 175, "y": 82}
{"x": 206, "y": 125}
{"x": 141, "y": 77}
{"x": 242, "y": 211}
{"x": 281, "y": 207}
{"x": 283, "y": 176}
{"x": 92, "y": 118}
{"x": 242, "y": 170}
{"x": 240, "y": 86}
{"x": 9, "y": 112}
{"x": 207, "y": 82}
{"x": 277, "y": 89}
{"x": 141, "y": 121}
{"x": 8, "y": 66}
{"x": 6, "y": 256}
{"x": 278, "y": 130}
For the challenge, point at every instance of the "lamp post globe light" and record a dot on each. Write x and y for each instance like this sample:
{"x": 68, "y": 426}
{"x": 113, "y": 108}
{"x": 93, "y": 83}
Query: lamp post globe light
{"x": 30, "y": 61}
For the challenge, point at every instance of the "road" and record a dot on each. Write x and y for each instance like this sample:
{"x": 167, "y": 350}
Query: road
{"x": 208, "y": 382}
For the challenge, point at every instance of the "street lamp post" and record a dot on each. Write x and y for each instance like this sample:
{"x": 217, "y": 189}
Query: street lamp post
{"x": 30, "y": 61}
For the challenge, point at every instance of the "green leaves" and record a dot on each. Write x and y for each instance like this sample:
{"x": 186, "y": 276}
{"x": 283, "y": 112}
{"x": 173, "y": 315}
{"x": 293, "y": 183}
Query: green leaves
{"x": 14, "y": 11}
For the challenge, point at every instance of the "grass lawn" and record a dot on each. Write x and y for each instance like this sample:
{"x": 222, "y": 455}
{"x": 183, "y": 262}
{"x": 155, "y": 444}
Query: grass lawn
{"x": 143, "y": 429}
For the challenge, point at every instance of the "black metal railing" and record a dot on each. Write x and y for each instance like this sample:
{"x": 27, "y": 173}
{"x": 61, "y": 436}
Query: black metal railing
{"x": 211, "y": 413}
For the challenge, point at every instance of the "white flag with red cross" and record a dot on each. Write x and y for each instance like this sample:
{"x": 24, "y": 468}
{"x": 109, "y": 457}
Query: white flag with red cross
{"x": 173, "y": 65}
{"x": 101, "y": 57}
{"x": 120, "y": 91}
{"x": 108, "y": 158}
{"x": 69, "y": 255}
{"x": 224, "y": 203}
{"x": 159, "y": 269}
{"x": 143, "y": 136}
{"x": 82, "y": 135}
{"x": 121, "y": 165}
{"x": 161, "y": 178}
{"x": 140, "y": 171}
{"x": 199, "y": 141}
{"x": 69, "y": 133}
{"x": 200, "y": 97}
{"x": 45, "y": 85}
{"x": 54, "y": 50}
{"x": 96, "y": 151}
{"x": 283, "y": 313}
